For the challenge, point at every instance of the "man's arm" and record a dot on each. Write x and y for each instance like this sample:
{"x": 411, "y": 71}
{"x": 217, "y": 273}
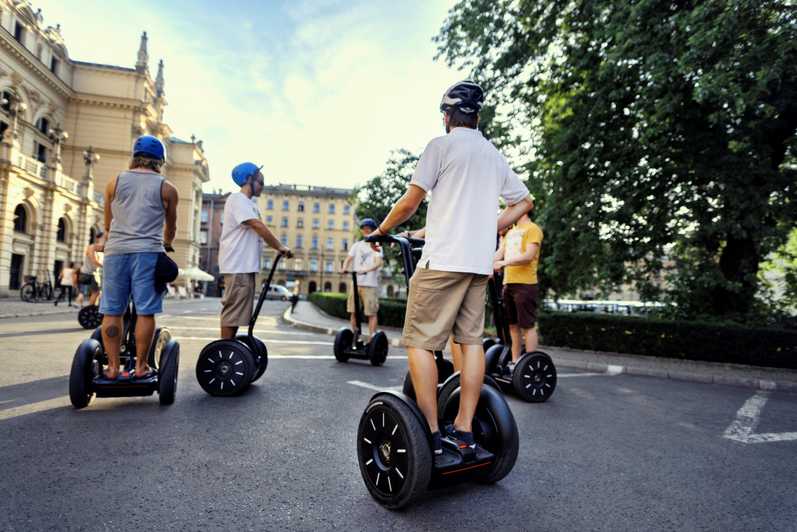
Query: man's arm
{"x": 499, "y": 253}
{"x": 376, "y": 266}
{"x": 402, "y": 210}
{"x": 170, "y": 199}
{"x": 110, "y": 190}
{"x": 266, "y": 234}
{"x": 524, "y": 258}
{"x": 346, "y": 264}
{"x": 91, "y": 255}
{"x": 513, "y": 213}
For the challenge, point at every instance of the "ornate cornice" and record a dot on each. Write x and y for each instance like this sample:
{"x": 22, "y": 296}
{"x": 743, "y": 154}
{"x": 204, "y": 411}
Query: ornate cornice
{"x": 8, "y": 42}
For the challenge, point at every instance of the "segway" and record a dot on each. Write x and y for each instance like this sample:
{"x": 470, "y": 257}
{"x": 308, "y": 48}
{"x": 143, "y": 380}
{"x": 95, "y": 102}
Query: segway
{"x": 89, "y": 317}
{"x": 534, "y": 376}
{"x": 86, "y": 379}
{"x": 394, "y": 445}
{"x": 228, "y": 367}
{"x": 349, "y": 344}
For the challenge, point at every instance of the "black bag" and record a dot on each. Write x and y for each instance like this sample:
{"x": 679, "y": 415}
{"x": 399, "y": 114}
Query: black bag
{"x": 166, "y": 271}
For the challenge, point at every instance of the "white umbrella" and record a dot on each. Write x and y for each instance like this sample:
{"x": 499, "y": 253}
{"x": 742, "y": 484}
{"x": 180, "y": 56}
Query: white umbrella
{"x": 196, "y": 274}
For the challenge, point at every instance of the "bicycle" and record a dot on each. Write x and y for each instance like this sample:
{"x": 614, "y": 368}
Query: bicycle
{"x": 32, "y": 291}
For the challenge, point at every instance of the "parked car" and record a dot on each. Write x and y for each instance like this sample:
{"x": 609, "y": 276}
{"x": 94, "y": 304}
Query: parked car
{"x": 278, "y": 292}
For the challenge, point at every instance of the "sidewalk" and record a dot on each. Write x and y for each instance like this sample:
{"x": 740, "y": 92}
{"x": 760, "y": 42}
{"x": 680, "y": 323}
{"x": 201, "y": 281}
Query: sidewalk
{"x": 15, "y": 308}
{"x": 307, "y": 316}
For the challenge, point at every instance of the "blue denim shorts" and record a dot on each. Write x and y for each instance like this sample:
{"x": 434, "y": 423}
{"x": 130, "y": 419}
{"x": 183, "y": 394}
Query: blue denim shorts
{"x": 126, "y": 274}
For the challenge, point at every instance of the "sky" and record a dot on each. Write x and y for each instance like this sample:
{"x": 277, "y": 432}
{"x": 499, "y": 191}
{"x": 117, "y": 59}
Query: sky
{"x": 318, "y": 91}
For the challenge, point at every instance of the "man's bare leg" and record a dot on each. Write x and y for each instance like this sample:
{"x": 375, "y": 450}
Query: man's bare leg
{"x": 532, "y": 339}
{"x": 372, "y": 325}
{"x": 228, "y": 333}
{"x": 514, "y": 333}
{"x": 353, "y": 321}
{"x": 112, "y": 341}
{"x": 456, "y": 354}
{"x": 471, "y": 378}
{"x": 423, "y": 372}
{"x": 145, "y": 328}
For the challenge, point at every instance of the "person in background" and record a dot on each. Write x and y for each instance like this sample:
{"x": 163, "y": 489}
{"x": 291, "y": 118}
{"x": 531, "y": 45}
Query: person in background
{"x": 367, "y": 259}
{"x": 68, "y": 280}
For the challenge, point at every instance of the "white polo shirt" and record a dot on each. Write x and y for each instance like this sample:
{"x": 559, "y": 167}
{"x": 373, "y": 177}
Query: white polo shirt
{"x": 240, "y": 246}
{"x": 466, "y": 175}
{"x": 363, "y": 257}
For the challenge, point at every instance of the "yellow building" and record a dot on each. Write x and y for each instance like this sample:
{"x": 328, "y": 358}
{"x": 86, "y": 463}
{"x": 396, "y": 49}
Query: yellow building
{"x": 67, "y": 127}
{"x": 318, "y": 224}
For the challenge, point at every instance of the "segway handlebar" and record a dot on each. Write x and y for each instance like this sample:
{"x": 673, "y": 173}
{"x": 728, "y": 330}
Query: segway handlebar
{"x": 263, "y": 294}
{"x": 407, "y": 245}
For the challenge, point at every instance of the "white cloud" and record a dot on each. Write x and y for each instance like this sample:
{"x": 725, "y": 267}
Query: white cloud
{"x": 319, "y": 96}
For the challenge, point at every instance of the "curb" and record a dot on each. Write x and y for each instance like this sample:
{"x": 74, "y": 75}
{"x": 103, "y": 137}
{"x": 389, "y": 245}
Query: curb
{"x": 288, "y": 319}
{"x": 32, "y": 314}
{"x": 611, "y": 369}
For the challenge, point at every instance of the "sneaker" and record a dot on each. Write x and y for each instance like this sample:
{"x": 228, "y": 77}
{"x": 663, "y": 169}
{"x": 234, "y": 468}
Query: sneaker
{"x": 463, "y": 440}
{"x": 437, "y": 443}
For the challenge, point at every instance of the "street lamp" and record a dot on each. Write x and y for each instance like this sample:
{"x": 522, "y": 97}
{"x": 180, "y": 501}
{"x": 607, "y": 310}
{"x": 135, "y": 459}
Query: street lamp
{"x": 90, "y": 157}
{"x": 57, "y": 136}
{"x": 15, "y": 107}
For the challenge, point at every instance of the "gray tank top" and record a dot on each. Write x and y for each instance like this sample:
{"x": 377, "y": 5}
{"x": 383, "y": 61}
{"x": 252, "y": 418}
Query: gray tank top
{"x": 138, "y": 215}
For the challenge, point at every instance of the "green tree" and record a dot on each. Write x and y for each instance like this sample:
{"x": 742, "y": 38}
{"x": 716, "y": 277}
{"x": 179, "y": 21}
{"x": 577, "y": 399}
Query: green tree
{"x": 662, "y": 132}
{"x": 378, "y": 195}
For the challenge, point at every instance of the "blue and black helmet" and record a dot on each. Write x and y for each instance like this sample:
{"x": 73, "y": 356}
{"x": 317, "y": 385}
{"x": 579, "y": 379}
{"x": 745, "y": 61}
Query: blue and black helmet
{"x": 243, "y": 172}
{"x": 149, "y": 146}
{"x": 466, "y": 95}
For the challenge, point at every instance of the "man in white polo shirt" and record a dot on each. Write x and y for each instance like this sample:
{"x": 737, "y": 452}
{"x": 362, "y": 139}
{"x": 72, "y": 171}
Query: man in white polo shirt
{"x": 466, "y": 175}
{"x": 367, "y": 260}
{"x": 240, "y": 248}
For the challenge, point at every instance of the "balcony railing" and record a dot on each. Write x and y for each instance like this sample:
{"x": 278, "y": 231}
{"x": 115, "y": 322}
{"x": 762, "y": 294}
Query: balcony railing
{"x": 32, "y": 166}
{"x": 72, "y": 185}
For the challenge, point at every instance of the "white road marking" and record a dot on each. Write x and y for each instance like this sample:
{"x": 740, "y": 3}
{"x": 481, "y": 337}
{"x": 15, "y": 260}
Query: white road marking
{"x": 374, "y": 387}
{"x": 262, "y": 331}
{"x": 747, "y": 419}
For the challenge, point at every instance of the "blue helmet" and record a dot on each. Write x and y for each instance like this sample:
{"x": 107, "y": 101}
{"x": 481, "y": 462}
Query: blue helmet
{"x": 149, "y": 146}
{"x": 368, "y": 222}
{"x": 242, "y": 173}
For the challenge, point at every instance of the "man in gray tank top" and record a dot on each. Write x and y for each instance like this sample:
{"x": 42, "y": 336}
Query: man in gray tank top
{"x": 140, "y": 219}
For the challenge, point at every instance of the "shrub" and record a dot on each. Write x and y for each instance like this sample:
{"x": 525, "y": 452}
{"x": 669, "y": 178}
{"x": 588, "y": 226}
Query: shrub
{"x": 713, "y": 342}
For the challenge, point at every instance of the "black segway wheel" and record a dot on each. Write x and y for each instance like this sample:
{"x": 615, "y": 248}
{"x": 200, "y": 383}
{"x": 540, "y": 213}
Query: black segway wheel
{"x": 89, "y": 317}
{"x": 343, "y": 342}
{"x": 377, "y": 348}
{"x": 225, "y": 367}
{"x": 488, "y": 342}
{"x": 494, "y": 429}
{"x": 393, "y": 451}
{"x": 453, "y": 383}
{"x": 81, "y": 376}
{"x": 168, "y": 368}
{"x": 534, "y": 377}
{"x": 260, "y": 353}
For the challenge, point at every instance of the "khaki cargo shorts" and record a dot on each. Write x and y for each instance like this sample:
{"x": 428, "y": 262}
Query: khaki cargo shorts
{"x": 369, "y": 299}
{"x": 440, "y": 303}
{"x": 238, "y": 300}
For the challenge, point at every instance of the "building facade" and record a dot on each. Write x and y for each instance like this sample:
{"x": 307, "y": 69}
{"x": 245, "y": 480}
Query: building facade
{"x": 67, "y": 127}
{"x": 209, "y": 236}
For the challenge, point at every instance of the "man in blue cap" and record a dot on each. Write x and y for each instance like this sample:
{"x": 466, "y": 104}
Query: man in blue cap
{"x": 367, "y": 259}
{"x": 141, "y": 222}
{"x": 240, "y": 248}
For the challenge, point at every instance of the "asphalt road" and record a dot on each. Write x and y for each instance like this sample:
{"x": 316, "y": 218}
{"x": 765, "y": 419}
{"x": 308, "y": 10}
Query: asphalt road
{"x": 605, "y": 453}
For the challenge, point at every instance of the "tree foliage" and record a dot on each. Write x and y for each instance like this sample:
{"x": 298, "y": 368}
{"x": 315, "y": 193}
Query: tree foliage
{"x": 662, "y": 130}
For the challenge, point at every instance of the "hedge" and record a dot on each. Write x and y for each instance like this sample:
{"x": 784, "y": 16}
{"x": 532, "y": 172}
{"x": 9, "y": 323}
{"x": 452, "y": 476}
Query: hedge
{"x": 627, "y": 334}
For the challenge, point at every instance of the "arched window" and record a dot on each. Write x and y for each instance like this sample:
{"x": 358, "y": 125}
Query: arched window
{"x": 21, "y": 219}
{"x": 327, "y": 287}
{"x": 92, "y": 235}
{"x": 43, "y": 125}
{"x": 312, "y": 287}
{"x": 342, "y": 287}
{"x": 60, "y": 236}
